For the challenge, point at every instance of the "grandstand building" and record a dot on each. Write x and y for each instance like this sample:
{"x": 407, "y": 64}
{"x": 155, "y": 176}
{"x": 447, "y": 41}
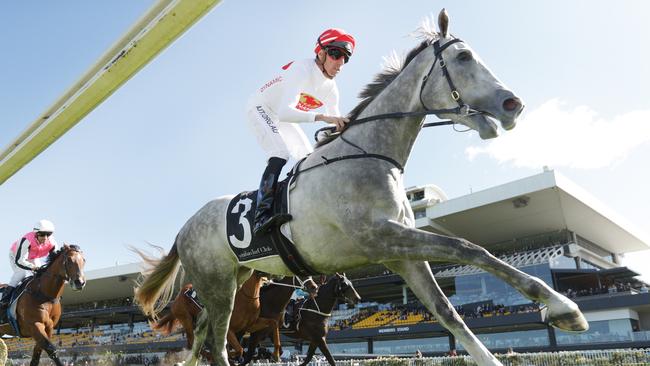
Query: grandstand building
{"x": 544, "y": 225}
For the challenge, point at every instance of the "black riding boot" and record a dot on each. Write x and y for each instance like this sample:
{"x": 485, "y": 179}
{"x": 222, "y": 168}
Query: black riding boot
{"x": 264, "y": 211}
{"x": 4, "y": 302}
{"x": 6, "y": 294}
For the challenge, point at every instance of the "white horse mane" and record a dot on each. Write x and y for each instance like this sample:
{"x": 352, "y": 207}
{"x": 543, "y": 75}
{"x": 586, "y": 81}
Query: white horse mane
{"x": 394, "y": 63}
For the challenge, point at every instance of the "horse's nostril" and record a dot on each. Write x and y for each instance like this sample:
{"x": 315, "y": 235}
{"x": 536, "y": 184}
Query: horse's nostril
{"x": 511, "y": 104}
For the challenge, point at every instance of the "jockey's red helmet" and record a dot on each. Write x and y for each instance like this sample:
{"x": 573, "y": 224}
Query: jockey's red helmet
{"x": 335, "y": 37}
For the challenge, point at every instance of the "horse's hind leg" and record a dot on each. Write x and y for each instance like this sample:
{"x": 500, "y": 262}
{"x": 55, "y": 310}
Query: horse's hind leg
{"x": 310, "y": 354}
{"x": 322, "y": 345}
{"x": 218, "y": 295}
{"x": 402, "y": 242}
{"x": 419, "y": 278}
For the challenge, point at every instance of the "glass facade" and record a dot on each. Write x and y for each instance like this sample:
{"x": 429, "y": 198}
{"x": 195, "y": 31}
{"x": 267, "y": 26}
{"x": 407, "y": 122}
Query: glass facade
{"x": 604, "y": 331}
{"x": 563, "y": 262}
{"x": 354, "y": 348}
{"x": 528, "y": 338}
{"x": 485, "y": 287}
{"x": 409, "y": 346}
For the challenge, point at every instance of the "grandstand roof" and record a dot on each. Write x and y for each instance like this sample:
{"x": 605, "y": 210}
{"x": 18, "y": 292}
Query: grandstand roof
{"x": 105, "y": 284}
{"x": 541, "y": 203}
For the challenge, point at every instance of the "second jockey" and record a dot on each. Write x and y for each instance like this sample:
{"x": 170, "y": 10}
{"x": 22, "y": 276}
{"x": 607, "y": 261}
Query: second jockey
{"x": 27, "y": 254}
{"x": 289, "y": 98}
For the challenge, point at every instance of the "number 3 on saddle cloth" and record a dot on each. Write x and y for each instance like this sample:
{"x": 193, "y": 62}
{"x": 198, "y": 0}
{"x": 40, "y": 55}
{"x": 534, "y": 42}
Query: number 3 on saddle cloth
{"x": 275, "y": 242}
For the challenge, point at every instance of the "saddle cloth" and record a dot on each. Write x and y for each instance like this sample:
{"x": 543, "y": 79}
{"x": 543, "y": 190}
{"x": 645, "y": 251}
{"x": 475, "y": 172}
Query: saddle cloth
{"x": 13, "y": 302}
{"x": 240, "y": 218}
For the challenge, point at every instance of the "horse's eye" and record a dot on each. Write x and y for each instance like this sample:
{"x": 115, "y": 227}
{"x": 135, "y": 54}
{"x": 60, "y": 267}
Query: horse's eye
{"x": 464, "y": 56}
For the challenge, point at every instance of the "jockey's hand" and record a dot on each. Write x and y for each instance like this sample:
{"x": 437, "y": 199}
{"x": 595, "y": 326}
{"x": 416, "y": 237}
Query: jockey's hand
{"x": 338, "y": 121}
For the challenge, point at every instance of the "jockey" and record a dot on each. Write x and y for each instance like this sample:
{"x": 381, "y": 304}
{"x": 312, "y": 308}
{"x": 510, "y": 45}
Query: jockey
{"x": 287, "y": 99}
{"x": 26, "y": 255}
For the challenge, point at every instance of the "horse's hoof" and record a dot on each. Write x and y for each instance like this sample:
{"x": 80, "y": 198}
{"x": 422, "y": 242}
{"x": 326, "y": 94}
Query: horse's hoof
{"x": 565, "y": 315}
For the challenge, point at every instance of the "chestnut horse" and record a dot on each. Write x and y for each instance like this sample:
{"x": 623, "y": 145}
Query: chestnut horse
{"x": 184, "y": 311}
{"x": 247, "y": 305}
{"x": 39, "y": 308}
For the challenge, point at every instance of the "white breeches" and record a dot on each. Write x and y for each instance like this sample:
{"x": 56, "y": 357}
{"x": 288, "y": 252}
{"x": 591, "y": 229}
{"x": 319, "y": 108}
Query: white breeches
{"x": 280, "y": 139}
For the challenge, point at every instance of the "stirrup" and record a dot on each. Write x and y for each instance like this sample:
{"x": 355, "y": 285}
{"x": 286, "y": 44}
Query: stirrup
{"x": 271, "y": 222}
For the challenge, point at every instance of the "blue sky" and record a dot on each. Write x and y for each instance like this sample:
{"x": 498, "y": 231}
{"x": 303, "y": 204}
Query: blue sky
{"x": 175, "y": 136}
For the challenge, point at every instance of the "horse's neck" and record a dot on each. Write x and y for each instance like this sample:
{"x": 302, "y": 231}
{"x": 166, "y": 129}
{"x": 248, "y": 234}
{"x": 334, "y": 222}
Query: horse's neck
{"x": 251, "y": 290}
{"x": 327, "y": 301}
{"x": 394, "y": 137}
{"x": 51, "y": 282}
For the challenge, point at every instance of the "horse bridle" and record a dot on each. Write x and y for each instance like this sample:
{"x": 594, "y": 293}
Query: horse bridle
{"x": 339, "y": 294}
{"x": 39, "y": 293}
{"x": 462, "y": 109}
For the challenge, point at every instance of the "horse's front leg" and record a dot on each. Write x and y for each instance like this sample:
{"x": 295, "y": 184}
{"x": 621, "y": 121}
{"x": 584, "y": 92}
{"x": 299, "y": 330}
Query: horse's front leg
{"x": 322, "y": 345}
{"x": 233, "y": 341}
{"x": 420, "y": 280}
{"x": 41, "y": 338}
{"x": 405, "y": 243}
{"x": 264, "y": 323}
{"x": 36, "y": 355}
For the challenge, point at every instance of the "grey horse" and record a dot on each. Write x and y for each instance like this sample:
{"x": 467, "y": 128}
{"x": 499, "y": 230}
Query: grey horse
{"x": 354, "y": 212}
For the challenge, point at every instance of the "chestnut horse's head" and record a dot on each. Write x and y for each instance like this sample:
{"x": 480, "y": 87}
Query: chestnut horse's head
{"x": 68, "y": 263}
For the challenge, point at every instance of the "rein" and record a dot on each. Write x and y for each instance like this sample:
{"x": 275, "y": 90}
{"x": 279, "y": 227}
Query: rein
{"x": 39, "y": 294}
{"x": 463, "y": 109}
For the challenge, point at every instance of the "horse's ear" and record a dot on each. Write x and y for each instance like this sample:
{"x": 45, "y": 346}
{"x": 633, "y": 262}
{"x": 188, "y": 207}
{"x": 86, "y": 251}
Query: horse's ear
{"x": 443, "y": 23}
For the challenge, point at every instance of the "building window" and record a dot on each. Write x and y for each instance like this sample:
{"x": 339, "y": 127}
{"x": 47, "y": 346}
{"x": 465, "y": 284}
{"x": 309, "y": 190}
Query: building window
{"x": 527, "y": 338}
{"x": 354, "y": 348}
{"x": 417, "y": 195}
{"x": 563, "y": 262}
{"x": 409, "y": 346}
{"x": 420, "y": 213}
{"x": 486, "y": 287}
{"x": 604, "y": 331}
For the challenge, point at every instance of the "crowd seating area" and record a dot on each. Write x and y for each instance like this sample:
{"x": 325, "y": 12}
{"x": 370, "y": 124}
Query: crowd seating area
{"x": 613, "y": 288}
{"x": 373, "y": 317}
{"x": 67, "y": 339}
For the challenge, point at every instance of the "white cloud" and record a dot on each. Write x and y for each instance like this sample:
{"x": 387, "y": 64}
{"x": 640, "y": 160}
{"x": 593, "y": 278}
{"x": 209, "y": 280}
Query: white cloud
{"x": 557, "y": 136}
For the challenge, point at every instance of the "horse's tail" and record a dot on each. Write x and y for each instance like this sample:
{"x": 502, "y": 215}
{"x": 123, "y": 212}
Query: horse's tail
{"x": 154, "y": 291}
{"x": 166, "y": 324}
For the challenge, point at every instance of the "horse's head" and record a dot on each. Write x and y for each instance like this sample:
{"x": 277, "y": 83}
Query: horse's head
{"x": 465, "y": 81}
{"x": 344, "y": 289}
{"x": 73, "y": 266}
